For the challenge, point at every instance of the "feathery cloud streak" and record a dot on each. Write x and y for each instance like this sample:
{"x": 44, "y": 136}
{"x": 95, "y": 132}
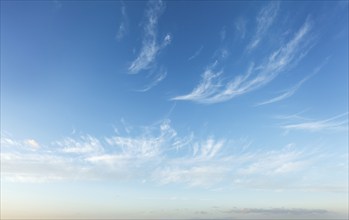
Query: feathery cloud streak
{"x": 123, "y": 27}
{"x": 150, "y": 46}
{"x": 265, "y": 19}
{"x": 290, "y": 92}
{"x": 338, "y": 122}
{"x": 156, "y": 80}
{"x": 212, "y": 88}
{"x": 197, "y": 53}
{"x": 240, "y": 26}
{"x": 165, "y": 157}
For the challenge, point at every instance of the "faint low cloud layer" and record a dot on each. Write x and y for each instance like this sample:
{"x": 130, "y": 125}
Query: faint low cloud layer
{"x": 166, "y": 157}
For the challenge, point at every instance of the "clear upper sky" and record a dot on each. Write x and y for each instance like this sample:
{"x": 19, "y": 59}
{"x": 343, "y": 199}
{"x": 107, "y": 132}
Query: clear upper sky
{"x": 174, "y": 109}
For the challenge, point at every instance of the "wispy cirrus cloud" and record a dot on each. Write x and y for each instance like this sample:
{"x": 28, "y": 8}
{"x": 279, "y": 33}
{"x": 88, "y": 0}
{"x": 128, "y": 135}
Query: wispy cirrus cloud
{"x": 288, "y": 93}
{"x": 83, "y": 157}
{"x": 156, "y": 80}
{"x": 276, "y": 162}
{"x": 207, "y": 149}
{"x": 213, "y": 88}
{"x": 150, "y": 45}
{"x": 240, "y": 26}
{"x": 165, "y": 157}
{"x": 146, "y": 145}
{"x": 82, "y": 145}
{"x": 336, "y": 123}
{"x": 197, "y": 53}
{"x": 209, "y": 86}
{"x": 291, "y": 91}
{"x": 26, "y": 144}
{"x": 264, "y": 21}
{"x": 202, "y": 176}
{"x": 124, "y": 23}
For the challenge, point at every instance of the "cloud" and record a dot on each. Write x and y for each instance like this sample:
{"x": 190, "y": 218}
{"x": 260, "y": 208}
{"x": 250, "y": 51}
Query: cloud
{"x": 208, "y": 87}
{"x": 202, "y": 176}
{"x": 150, "y": 46}
{"x": 208, "y": 149}
{"x": 338, "y": 122}
{"x": 147, "y": 144}
{"x": 201, "y": 212}
{"x": 197, "y": 53}
{"x": 214, "y": 161}
{"x": 37, "y": 167}
{"x": 279, "y": 211}
{"x": 158, "y": 154}
{"x": 276, "y": 162}
{"x": 199, "y": 169}
{"x": 83, "y": 145}
{"x": 157, "y": 79}
{"x": 240, "y": 26}
{"x": 295, "y": 116}
{"x": 9, "y": 142}
{"x": 264, "y": 21}
{"x": 290, "y": 92}
{"x": 213, "y": 88}
{"x": 223, "y": 33}
{"x": 27, "y": 144}
{"x": 32, "y": 143}
{"x": 123, "y": 27}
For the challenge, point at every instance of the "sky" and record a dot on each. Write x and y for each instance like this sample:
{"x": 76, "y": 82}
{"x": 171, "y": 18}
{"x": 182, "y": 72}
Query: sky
{"x": 174, "y": 109}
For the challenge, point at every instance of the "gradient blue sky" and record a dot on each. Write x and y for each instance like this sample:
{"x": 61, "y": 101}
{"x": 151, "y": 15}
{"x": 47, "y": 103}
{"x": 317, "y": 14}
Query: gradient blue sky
{"x": 174, "y": 109}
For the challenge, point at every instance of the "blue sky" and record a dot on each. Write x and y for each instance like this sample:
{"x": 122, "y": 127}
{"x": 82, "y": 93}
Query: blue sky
{"x": 174, "y": 109}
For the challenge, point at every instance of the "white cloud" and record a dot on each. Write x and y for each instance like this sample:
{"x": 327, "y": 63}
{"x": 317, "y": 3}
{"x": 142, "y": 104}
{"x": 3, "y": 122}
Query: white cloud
{"x": 209, "y": 85}
{"x": 27, "y": 144}
{"x": 264, "y": 21}
{"x": 118, "y": 163}
{"x": 338, "y": 122}
{"x": 157, "y": 79}
{"x": 213, "y": 88}
{"x": 32, "y": 143}
{"x": 150, "y": 46}
{"x": 146, "y": 145}
{"x": 279, "y": 211}
{"x": 296, "y": 116}
{"x": 208, "y": 149}
{"x": 159, "y": 154}
{"x": 223, "y": 33}
{"x": 197, "y": 53}
{"x": 275, "y": 163}
{"x": 167, "y": 40}
{"x": 37, "y": 167}
{"x": 83, "y": 145}
{"x": 9, "y": 142}
{"x": 290, "y": 92}
{"x": 207, "y": 167}
{"x": 240, "y": 26}
{"x": 138, "y": 147}
{"x": 193, "y": 176}
{"x": 123, "y": 27}
{"x": 182, "y": 142}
